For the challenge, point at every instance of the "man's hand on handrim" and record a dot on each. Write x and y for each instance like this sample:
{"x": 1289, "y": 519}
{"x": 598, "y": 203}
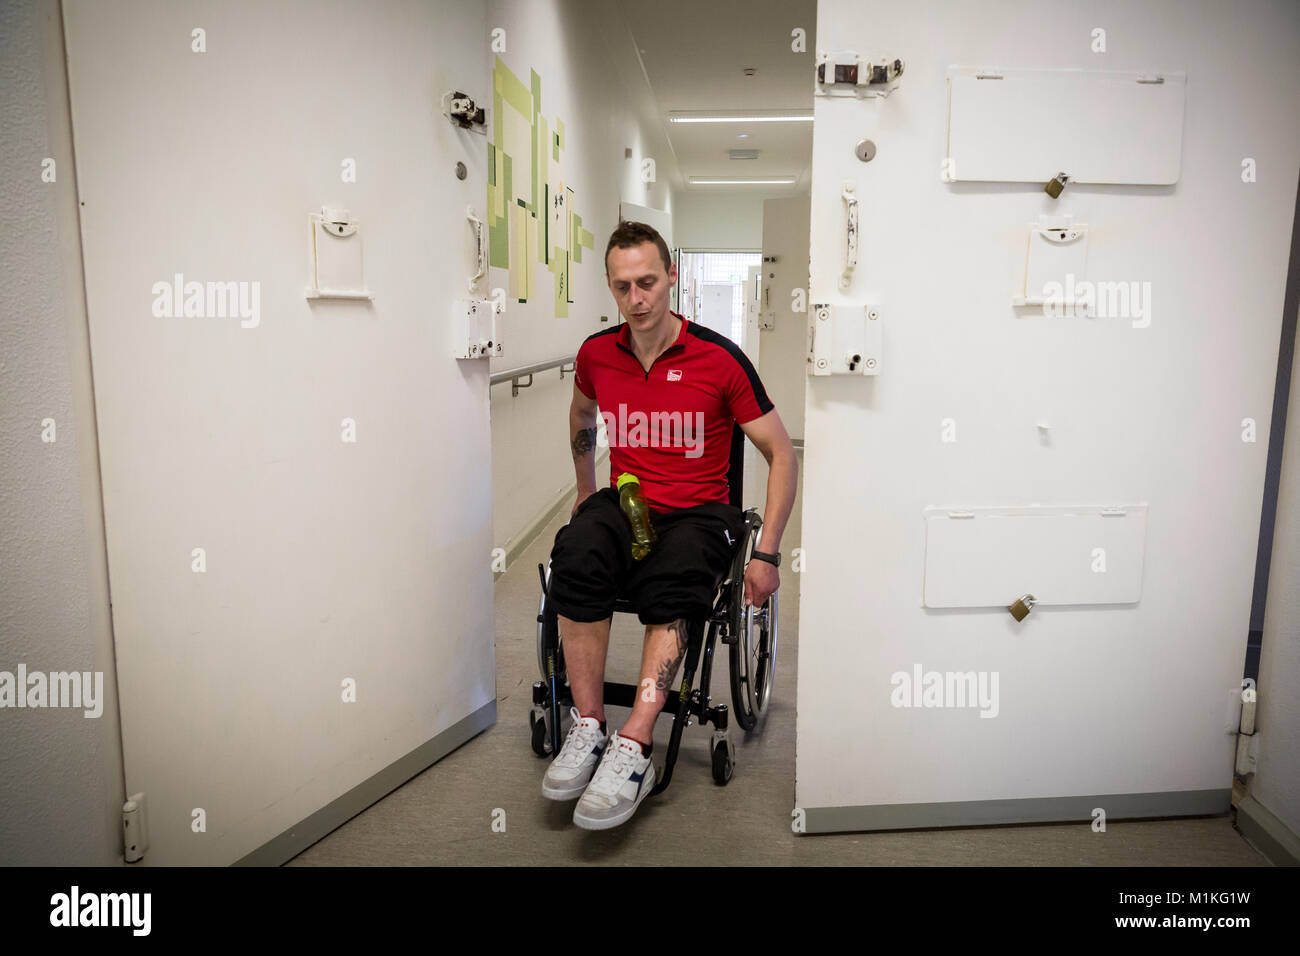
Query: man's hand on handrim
{"x": 761, "y": 580}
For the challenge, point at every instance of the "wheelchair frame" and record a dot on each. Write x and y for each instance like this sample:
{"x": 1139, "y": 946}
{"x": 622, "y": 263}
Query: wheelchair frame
{"x": 751, "y": 675}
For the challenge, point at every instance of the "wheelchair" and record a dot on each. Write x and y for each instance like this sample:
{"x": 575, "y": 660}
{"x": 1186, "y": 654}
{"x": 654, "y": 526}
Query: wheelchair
{"x": 750, "y": 634}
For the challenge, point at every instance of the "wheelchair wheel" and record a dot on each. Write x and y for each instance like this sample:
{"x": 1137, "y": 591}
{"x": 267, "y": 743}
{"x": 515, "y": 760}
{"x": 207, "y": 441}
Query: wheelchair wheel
{"x": 541, "y": 740}
{"x": 723, "y": 758}
{"x": 542, "y": 717}
{"x": 753, "y": 662}
{"x": 541, "y": 641}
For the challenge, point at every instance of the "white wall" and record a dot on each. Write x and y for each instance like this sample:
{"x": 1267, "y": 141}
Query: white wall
{"x": 61, "y": 789}
{"x": 326, "y": 561}
{"x": 724, "y": 220}
{"x": 590, "y": 80}
{"x": 784, "y": 366}
{"x": 1095, "y": 701}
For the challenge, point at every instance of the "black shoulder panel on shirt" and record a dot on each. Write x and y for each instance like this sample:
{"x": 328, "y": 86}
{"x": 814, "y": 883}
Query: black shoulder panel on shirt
{"x": 706, "y": 334}
{"x": 612, "y": 330}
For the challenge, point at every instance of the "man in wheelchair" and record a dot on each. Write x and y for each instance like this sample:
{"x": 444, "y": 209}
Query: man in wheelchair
{"x": 671, "y": 393}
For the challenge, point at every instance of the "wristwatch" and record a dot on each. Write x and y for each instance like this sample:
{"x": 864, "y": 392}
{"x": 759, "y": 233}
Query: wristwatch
{"x": 769, "y": 558}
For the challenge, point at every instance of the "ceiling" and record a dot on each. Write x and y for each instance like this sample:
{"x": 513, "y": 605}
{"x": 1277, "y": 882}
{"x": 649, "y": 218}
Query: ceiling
{"x": 694, "y": 54}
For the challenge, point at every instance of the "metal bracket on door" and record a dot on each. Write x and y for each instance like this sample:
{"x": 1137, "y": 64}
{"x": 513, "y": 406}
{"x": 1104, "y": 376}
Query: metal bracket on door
{"x": 480, "y": 247}
{"x": 850, "y": 234}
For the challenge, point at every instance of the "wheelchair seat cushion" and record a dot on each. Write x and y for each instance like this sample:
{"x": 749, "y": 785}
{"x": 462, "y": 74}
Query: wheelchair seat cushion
{"x": 592, "y": 564}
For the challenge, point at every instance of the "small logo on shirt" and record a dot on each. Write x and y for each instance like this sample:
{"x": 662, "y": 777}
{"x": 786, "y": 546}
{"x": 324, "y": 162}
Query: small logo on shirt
{"x": 728, "y": 535}
{"x": 674, "y": 375}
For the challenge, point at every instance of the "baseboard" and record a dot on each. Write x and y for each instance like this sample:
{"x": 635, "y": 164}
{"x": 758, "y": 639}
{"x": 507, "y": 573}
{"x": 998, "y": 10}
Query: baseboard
{"x": 333, "y": 815}
{"x": 909, "y": 816}
{"x": 1267, "y": 834}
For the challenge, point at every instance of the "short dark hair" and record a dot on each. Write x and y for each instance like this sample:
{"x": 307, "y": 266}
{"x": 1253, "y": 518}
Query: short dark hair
{"x": 630, "y": 234}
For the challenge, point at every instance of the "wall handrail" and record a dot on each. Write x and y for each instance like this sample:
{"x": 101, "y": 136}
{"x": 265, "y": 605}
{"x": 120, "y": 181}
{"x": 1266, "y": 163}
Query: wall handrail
{"x": 514, "y": 375}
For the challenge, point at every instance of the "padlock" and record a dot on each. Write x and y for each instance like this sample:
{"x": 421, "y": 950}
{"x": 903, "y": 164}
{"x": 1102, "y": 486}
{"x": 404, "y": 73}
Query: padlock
{"x": 1054, "y": 187}
{"x": 1021, "y": 608}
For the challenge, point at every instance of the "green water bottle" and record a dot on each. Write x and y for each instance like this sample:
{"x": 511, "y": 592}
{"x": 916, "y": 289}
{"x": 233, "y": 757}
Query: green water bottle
{"x": 632, "y": 501}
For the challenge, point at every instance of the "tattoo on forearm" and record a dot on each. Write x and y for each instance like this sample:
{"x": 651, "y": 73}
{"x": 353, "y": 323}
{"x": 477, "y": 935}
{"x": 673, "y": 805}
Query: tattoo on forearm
{"x": 668, "y": 667}
{"x": 584, "y": 441}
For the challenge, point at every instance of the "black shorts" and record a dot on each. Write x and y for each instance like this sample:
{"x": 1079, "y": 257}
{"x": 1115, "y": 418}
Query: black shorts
{"x": 592, "y": 564}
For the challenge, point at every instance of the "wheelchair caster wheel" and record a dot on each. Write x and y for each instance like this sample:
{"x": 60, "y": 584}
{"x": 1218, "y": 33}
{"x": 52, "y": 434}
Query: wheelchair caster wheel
{"x": 541, "y": 739}
{"x": 724, "y": 765}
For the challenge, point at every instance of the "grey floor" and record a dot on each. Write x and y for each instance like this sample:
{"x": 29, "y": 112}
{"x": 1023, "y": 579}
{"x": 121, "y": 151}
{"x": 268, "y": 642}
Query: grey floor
{"x": 444, "y": 816}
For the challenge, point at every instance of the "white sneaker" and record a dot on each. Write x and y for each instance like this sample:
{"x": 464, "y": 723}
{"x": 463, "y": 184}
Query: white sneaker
{"x": 623, "y": 779}
{"x": 569, "y": 772}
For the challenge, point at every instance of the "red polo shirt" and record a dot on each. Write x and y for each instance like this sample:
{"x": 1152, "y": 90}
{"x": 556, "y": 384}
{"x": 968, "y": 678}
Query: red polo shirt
{"x": 671, "y": 426}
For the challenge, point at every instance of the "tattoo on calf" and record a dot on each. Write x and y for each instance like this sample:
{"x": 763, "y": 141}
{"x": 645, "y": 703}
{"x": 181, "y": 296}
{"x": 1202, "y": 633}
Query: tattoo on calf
{"x": 584, "y": 441}
{"x": 668, "y": 667}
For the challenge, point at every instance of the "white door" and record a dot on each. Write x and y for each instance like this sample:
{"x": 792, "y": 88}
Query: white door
{"x": 749, "y": 340}
{"x": 297, "y": 498}
{"x": 1159, "y": 400}
{"x": 716, "y": 299}
{"x": 755, "y": 466}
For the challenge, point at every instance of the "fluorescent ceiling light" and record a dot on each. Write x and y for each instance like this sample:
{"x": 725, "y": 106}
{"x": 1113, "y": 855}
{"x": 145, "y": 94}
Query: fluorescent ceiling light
{"x": 698, "y": 181}
{"x": 787, "y": 117}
